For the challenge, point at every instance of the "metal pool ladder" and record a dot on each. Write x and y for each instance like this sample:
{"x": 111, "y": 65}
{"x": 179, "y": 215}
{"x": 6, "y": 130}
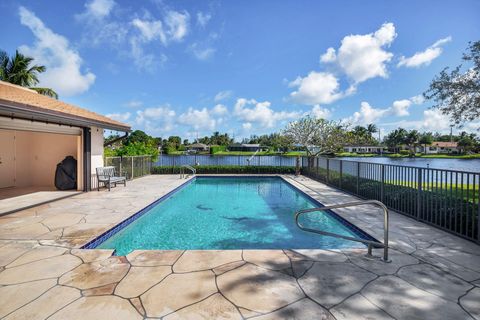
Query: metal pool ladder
{"x": 370, "y": 243}
{"x": 182, "y": 171}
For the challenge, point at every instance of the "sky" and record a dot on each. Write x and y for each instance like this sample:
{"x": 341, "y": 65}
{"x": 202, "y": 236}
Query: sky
{"x": 190, "y": 68}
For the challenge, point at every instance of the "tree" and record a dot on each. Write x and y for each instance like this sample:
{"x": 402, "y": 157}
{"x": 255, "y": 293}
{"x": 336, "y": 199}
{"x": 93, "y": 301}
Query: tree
{"x": 425, "y": 139}
{"x": 395, "y": 138}
{"x": 316, "y": 136}
{"x": 457, "y": 93}
{"x": 17, "y": 70}
{"x": 411, "y": 140}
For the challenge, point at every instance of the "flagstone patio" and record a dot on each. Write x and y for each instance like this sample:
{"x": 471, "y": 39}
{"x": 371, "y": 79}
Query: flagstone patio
{"x": 43, "y": 274}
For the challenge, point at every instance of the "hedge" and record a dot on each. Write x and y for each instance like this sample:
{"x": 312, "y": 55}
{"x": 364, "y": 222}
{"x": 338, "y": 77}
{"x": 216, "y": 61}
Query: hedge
{"x": 215, "y": 149}
{"x": 226, "y": 169}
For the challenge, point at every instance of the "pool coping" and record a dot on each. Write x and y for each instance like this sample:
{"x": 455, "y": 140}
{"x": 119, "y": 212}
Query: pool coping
{"x": 94, "y": 243}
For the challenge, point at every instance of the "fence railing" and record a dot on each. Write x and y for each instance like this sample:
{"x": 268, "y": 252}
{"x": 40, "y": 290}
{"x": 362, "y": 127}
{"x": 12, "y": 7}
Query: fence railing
{"x": 131, "y": 166}
{"x": 209, "y": 160}
{"x": 446, "y": 199}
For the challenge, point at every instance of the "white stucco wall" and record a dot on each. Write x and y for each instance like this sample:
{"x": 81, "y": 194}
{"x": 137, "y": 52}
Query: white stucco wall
{"x": 97, "y": 147}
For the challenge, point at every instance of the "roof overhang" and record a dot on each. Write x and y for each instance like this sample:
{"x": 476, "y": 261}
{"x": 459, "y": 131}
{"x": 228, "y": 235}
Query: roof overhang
{"x": 26, "y": 112}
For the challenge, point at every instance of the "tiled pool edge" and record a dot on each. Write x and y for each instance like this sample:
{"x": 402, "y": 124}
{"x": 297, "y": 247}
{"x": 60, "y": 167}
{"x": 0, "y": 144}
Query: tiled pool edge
{"x": 93, "y": 244}
{"x": 336, "y": 216}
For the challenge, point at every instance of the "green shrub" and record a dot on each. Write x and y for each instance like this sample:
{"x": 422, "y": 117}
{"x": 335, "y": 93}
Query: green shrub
{"x": 404, "y": 152}
{"x": 215, "y": 149}
{"x": 227, "y": 169}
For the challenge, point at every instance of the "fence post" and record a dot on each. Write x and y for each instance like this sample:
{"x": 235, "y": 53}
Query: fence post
{"x": 358, "y": 177}
{"x": 328, "y": 170}
{"x": 120, "y": 166}
{"x": 419, "y": 193}
{"x": 173, "y": 162}
{"x": 132, "y": 168}
{"x": 382, "y": 185}
{"x": 341, "y": 174}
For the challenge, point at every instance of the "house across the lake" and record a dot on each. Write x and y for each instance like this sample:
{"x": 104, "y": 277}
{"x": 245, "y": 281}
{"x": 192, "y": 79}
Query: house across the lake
{"x": 363, "y": 148}
{"x": 38, "y": 132}
{"x": 198, "y": 147}
{"x": 246, "y": 147}
{"x": 439, "y": 147}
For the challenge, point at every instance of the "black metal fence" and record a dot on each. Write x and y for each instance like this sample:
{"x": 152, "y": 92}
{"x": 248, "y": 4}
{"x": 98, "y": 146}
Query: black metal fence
{"x": 131, "y": 166}
{"x": 446, "y": 199}
{"x": 210, "y": 160}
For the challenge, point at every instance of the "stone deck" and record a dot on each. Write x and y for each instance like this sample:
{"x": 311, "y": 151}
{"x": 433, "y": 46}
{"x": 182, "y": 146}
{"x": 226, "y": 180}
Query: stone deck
{"x": 43, "y": 274}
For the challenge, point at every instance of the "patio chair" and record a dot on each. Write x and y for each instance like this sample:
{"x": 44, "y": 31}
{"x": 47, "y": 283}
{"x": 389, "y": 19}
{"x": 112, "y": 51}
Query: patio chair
{"x": 108, "y": 176}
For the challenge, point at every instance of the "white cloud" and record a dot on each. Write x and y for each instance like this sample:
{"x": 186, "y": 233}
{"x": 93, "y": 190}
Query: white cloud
{"x": 202, "y": 53}
{"x": 433, "y": 120}
{"x": 260, "y": 113}
{"x": 198, "y": 119}
{"x": 368, "y": 114}
{"x": 319, "y": 112}
{"x": 329, "y": 56}
{"x": 177, "y": 23}
{"x": 156, "y": 120}
{"x": 99, "y": 8}
{"x": 424, "y": 58}
{"x": 400, "y": 107}
{"x": 99, "y": 26}
{"x": 203, "y": 18}
{"x": 362, "y": 57}
{"x": 418, "y": 99}
{"x": 173, "y": 28}
{"x": 134, "y": 104}
{"x": 63, "y": 63}
{"x": 122, "y": 117}
{"x": 316, "y": 88}
{"x": 220, "y": 110}
{"x": 246, "y": 126}
{"x": 222, "y": 95}
{"x": 150, "y": 30}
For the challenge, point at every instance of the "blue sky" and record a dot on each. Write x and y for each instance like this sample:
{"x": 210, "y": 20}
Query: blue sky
{"x": 244, "y": 67}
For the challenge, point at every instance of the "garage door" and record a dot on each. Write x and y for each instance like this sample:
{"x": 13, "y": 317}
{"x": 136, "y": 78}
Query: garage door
{"x": 7, "y": 158}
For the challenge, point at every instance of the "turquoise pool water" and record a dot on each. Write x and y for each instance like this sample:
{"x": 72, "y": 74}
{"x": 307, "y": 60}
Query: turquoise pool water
{"x": 231, "y": 213}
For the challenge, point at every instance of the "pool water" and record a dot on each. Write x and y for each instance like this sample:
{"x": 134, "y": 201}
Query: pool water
{"x": 232, "y": 213}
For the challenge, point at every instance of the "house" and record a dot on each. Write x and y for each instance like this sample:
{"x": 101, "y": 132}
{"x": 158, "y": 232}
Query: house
{"x": 38, "y": 132}
{"x": 363, "y": 148}
{"x": 198, "y": 147}
{"x": 439, "y": 147}
{"x": 246, "y": 147}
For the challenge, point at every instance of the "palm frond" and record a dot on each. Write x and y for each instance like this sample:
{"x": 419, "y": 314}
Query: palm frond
{"x": 46, "y": 92}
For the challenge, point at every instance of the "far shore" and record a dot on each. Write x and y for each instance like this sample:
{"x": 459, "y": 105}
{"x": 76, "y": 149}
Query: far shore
{"x": 338, "y": 155}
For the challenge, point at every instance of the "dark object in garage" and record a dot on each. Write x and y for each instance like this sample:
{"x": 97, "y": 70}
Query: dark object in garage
{"x": 66, "y": 174}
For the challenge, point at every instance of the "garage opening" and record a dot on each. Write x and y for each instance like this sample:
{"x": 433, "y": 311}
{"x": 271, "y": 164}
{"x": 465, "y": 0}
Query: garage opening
{"x": 28, "y": 161}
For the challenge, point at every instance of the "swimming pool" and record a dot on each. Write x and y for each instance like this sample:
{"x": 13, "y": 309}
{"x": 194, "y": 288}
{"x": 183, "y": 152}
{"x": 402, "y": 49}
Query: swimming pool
{"x": 229, "y": 213}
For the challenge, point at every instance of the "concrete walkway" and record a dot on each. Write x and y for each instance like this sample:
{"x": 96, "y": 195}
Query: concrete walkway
{"x": 43, "y": 274}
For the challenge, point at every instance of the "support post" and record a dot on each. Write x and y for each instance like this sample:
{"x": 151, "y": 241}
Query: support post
{"x": 382, "y": 184}
{"x": 87, "y": 159}
{"x": 419, "y": 193}
{"x": 358, "y": 178}
{"x": 341, "y": 174}
{"x": 328, "y": 170}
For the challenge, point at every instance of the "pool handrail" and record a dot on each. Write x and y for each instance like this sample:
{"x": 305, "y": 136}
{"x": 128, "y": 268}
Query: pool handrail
{"x": 370, "y": 243}
{"x": 186, "y": 166}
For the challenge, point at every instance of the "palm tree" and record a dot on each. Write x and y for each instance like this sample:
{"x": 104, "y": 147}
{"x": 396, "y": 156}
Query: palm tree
{"x": 17, "y": 70}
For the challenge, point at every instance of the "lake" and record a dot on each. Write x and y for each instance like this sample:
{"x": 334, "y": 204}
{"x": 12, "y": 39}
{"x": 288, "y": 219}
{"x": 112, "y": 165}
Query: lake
{"x": 471, "y": 165}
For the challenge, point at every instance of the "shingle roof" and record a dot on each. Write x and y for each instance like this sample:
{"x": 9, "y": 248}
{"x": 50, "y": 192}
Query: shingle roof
{"x": 443, "y": 144}
{"x": 30, "y": 100}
